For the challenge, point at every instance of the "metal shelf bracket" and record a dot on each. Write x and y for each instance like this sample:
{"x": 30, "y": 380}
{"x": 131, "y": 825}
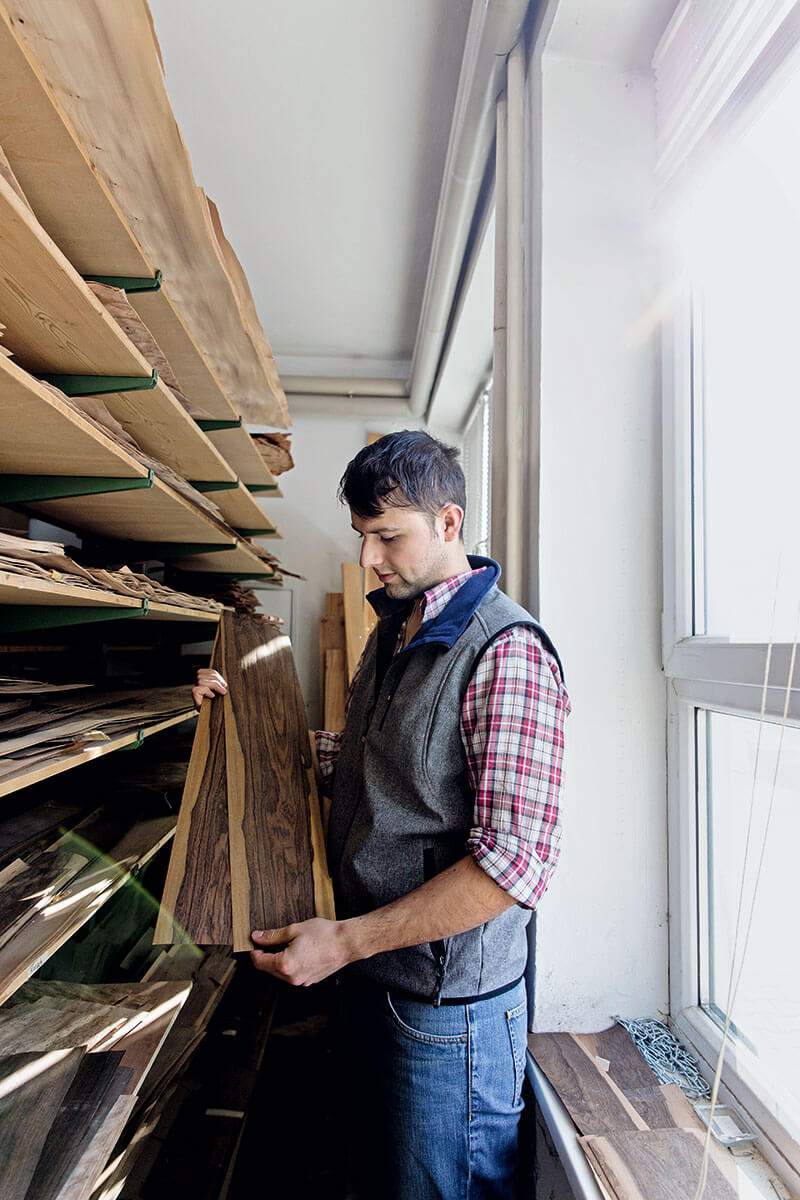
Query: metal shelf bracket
{"x": 101, "y": 385}
{"x": 28, "y": 489}
{"x": 209, "y": 424}
{"x": 129, "y": 283}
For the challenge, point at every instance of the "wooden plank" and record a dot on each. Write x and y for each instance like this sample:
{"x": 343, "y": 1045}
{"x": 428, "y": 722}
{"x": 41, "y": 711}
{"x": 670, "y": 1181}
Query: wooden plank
{"x": 241, "y": 561}
{"x": 335, "y": 691}
{"x": 594, "y": 1102}
{"x": 242, "y": 511}
{"x": 660, "y": 1164}
{"x": 238, "y": 448}
{"x": 659, "y": 1107}
{"x": 268, "y": 756}
{"x": 102, "y": 63}
{"x": 353, "y": 592}
{"x": 371, "y": 583}
{"x": 54, "y": 324}
{"x": 66, "y": 1155}
{"x": 27, "y": 1112}
{"x": 197, "y": 901}
{"x": 323, "y": 884}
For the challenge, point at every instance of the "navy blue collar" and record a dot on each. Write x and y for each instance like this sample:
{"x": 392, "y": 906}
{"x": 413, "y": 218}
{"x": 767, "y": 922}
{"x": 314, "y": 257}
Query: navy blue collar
{"x": 446, "y": 628}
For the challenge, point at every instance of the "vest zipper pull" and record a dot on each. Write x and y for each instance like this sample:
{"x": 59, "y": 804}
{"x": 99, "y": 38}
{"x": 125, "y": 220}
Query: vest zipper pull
{"x": 437, "y": 1001}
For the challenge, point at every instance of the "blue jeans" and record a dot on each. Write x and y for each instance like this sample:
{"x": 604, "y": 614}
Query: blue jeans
{"x": 435, "y": 1094}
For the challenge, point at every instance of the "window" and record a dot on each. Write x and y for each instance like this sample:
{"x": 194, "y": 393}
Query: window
{"x": 477, "y": 466}
{"x": 732, "y": 434}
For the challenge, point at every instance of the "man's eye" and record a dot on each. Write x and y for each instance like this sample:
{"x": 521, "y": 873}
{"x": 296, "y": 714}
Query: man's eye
{"x": 387, "y": 539}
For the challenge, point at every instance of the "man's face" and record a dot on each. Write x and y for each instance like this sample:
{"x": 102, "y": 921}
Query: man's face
{"x": 406, "y": 548}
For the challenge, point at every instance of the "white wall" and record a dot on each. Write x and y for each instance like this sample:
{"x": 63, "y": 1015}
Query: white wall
{"x": 601, "y": 936}
{"x": 317, "y": 537}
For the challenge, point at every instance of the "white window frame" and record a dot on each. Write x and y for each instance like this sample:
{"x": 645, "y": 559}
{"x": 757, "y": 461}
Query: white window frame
{"x": 706, "y": 673}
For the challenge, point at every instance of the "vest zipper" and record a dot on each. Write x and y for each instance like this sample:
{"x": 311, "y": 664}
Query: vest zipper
{"x": 438, "y": 948}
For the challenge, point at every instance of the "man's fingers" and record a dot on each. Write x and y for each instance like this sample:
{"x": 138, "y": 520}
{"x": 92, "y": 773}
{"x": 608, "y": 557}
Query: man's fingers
{"x": 276, "y": 938}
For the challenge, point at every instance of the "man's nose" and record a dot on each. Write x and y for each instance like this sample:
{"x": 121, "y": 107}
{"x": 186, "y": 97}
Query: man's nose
{"x": 371, "y": 555}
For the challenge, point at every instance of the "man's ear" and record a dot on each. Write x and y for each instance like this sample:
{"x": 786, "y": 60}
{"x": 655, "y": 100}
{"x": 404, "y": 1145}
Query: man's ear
{"x": 452, "y": 518}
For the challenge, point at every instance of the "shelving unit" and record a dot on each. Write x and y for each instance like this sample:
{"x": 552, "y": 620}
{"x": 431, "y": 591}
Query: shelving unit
{"x": 75, "y": 224}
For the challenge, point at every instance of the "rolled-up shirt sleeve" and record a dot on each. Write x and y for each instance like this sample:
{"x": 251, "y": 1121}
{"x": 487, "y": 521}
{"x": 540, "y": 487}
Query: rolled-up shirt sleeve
{"x": 512, "y": 729}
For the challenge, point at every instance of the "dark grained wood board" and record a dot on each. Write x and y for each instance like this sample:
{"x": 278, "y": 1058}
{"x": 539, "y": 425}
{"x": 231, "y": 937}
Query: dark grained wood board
{"x": 197, "y": 892}
{"x": 657, "y": 1164}
{"x": 268, "y": 756}
{"x": 99, "y": 1081}
{"x": 661, "y": 1107}
{"x": 594, "y": 1102}
{"x": 32, "y": 1087}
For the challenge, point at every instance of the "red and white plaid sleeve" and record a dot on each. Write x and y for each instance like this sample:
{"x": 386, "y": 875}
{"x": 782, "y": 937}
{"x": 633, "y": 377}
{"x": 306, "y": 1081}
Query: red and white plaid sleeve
{"x": 512, "y": 729}
{"x": 328, "y": 742}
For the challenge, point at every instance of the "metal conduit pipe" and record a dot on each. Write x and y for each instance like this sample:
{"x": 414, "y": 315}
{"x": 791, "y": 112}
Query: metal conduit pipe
{"x": 329, "y": 385}
{"x": 494, "y": 27}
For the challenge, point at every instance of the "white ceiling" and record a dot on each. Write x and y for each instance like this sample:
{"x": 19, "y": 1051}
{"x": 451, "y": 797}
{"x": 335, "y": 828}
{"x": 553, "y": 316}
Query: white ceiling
{"x": 320, "y": 130}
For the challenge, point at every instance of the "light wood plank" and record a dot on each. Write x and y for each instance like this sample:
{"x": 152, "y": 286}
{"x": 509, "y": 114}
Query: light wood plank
{"x": 241, "y": 561}
{"x": 101, "y": 60}
{"x": 197, "y": 898}
{"x": 78, "y": 210}
{"x": 335, "y": 691}
{"x": 54, "y": 324}
{"x": 242, "y": 511}
{"x": 355, "y": 634}
{"x": 239, "y": 450}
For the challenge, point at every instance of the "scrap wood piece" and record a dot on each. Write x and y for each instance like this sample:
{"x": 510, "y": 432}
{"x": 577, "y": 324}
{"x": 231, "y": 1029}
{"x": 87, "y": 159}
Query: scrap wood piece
{"x": 595, "y": 1103}
{"x": 32, "y": 1087}
{"x": 66, "y": 1159}
{"x": 659, "y": 1164}
{"x": 268, "y": 757}
{"x": 276, "y": 451}
{"x": 197, "y": 893}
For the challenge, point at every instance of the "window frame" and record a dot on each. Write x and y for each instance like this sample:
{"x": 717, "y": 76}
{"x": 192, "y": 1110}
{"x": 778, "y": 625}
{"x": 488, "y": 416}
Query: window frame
{"x": 705, "y": 673}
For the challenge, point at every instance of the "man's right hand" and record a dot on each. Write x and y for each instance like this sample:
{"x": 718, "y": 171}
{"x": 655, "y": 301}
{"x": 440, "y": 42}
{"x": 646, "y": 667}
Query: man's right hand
{"x": 209, "y": 684}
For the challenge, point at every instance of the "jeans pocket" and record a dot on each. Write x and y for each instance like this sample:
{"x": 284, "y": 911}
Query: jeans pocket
{"x": 517, "y": 1021}
{"x": 445, "y": 1026}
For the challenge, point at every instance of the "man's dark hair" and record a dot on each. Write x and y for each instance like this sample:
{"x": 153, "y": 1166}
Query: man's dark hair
{"x": 409, "y": 469}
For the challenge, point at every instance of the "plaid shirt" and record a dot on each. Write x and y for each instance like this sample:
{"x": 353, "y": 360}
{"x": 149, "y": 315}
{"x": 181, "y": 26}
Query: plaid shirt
{"x": 512, "y": 730}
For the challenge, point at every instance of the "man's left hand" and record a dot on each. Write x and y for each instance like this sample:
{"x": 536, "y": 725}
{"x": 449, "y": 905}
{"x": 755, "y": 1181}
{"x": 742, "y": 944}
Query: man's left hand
{"x": 305, "y": 952}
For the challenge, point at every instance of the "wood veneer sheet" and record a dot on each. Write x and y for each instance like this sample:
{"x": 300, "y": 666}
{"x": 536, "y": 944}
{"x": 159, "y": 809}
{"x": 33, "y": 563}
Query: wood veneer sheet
{"x": 656, "y": 1164}
{"x": 32, "y": 1088}
{"x": 197, "y": 893}
{"x": 268, "y": 756}
{"x": 98, "y": 1084}
{"x": 595, "y": 1103}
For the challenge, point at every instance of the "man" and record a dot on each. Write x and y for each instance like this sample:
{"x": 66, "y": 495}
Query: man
{"x": 443, "y": 833}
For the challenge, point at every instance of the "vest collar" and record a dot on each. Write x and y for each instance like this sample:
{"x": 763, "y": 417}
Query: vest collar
{"x": 446, "y": 628}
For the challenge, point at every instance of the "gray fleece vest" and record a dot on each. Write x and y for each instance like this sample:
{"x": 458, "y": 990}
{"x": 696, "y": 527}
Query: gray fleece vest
{"x": 402, "y": 805}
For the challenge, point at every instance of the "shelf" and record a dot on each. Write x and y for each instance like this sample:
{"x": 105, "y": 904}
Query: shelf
{"x": 61, "y": 166}
{"x": 42, "y": 435}
{"x": 47, "y": 930}
{"x": 238, "y": 448}
{"x": 22, "y": 591}
{"x": 56, "y": 326}
{"x": 36, "y": 772}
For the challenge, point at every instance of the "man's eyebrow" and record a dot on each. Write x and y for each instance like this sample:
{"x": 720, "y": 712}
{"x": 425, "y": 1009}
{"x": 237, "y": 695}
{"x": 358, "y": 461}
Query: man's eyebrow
{"x": 381, "y": 529}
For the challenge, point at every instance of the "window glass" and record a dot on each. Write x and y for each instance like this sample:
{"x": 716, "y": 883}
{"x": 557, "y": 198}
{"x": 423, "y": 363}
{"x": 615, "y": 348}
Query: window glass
{"x": 742, "y": 246}
{"x": 766, "y": 1012}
